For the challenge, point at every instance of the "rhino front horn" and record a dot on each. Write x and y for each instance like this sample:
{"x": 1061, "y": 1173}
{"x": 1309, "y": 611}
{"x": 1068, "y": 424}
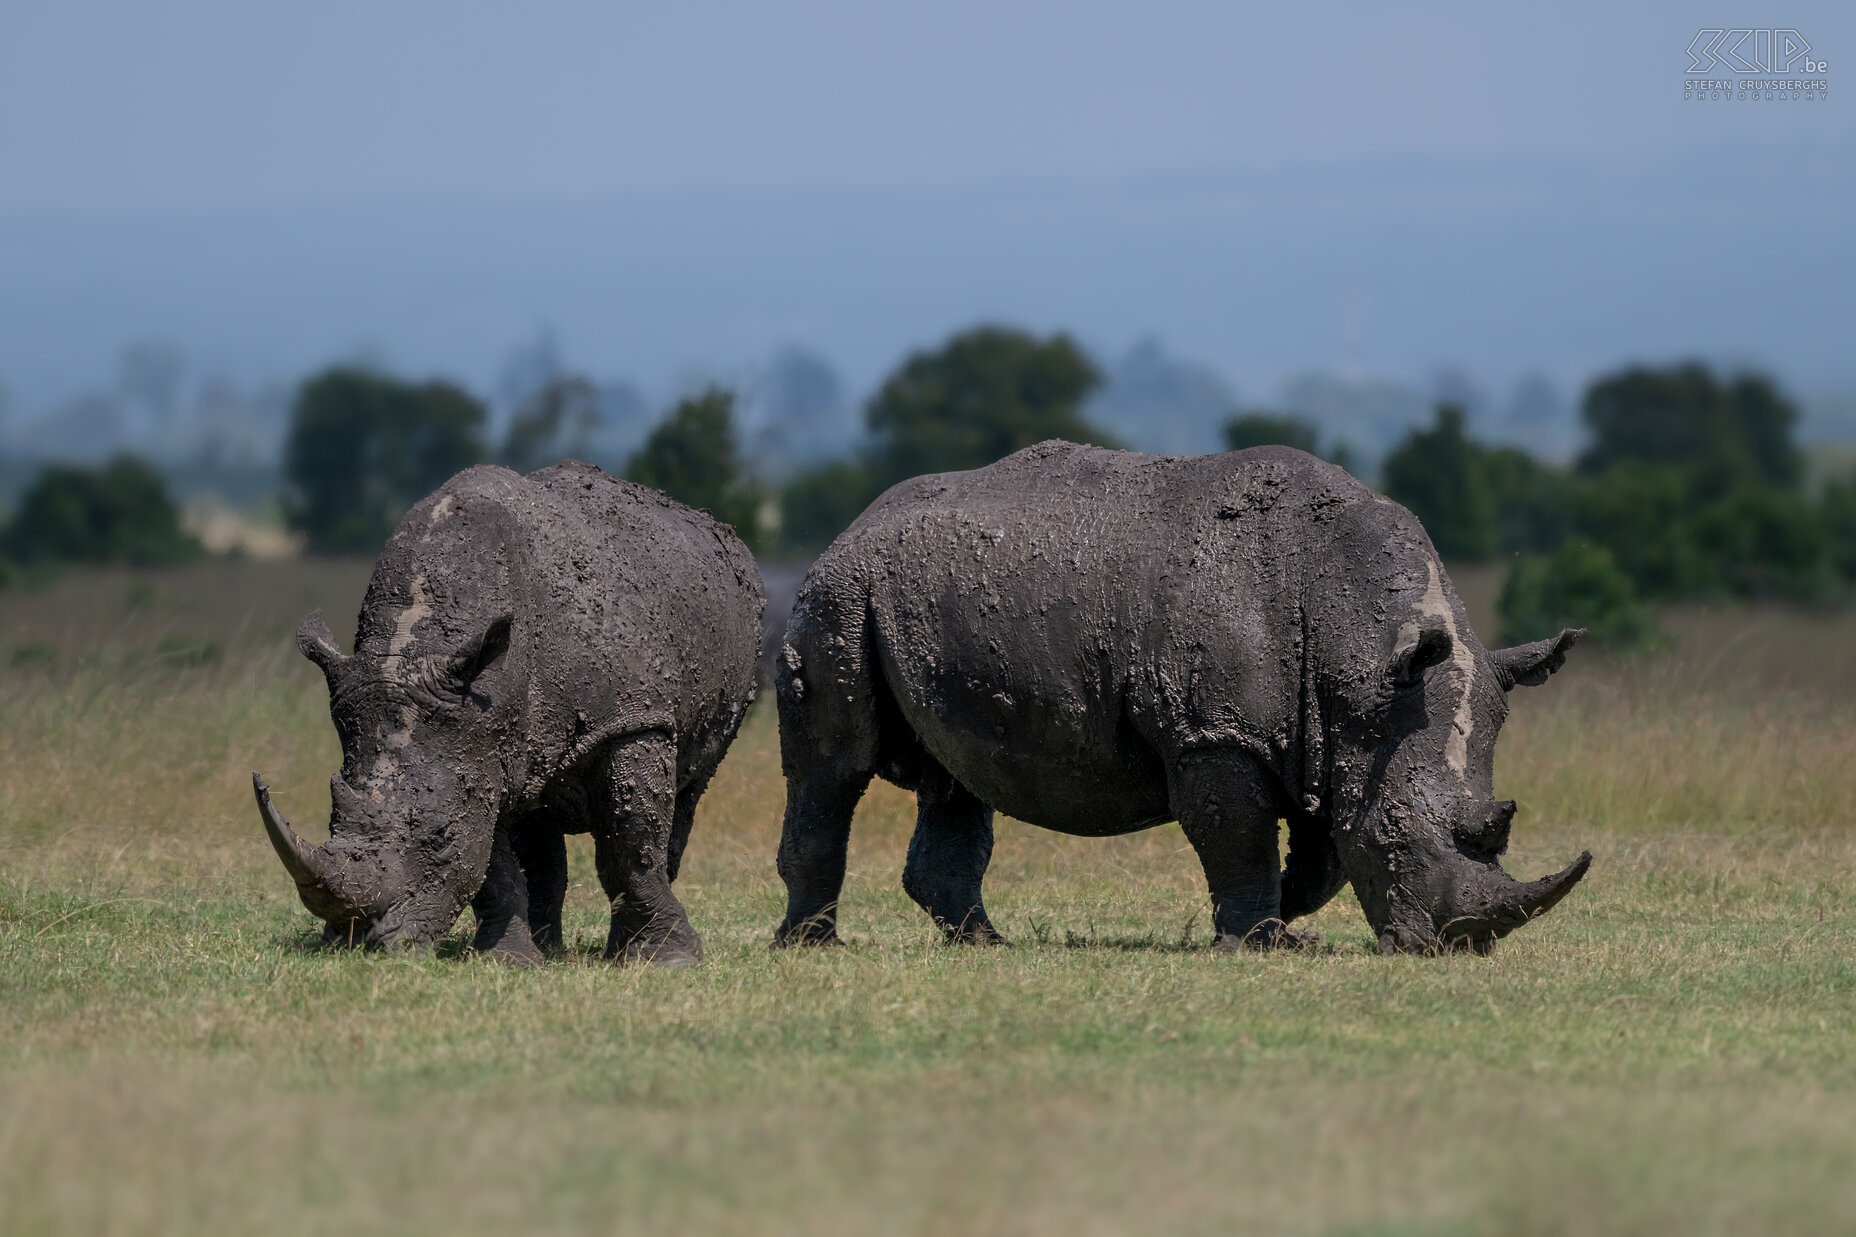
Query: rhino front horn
{"x": 1536, "y": 898}
{"x": 303, "y": 861}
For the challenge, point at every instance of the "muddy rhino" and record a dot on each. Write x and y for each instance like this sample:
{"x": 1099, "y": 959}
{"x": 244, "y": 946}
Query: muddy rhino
{"x": 558, "y": 653}
{"x": 1099, "y": 641}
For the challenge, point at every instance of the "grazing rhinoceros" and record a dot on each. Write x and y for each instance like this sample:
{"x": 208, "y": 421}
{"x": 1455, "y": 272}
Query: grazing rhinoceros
{"x": 1099, "y": 641}
{"x": 542, "y": 655}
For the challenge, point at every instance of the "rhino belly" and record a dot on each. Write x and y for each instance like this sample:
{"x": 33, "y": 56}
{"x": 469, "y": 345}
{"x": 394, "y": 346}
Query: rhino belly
{"x": 1083, "y": 775}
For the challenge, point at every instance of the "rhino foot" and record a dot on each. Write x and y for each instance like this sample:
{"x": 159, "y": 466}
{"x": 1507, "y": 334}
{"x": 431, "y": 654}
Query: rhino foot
{"x": 671, "y": 957}
{"x": 1268, "y": 935}
{"x": 505, "y": 938}
{"x": 518, "y": 958}
{"x": 807, "y": 932}
{"x": 975, "y": 934}
{"x": 674, "y": 952}
{"x": 508, "y": 943}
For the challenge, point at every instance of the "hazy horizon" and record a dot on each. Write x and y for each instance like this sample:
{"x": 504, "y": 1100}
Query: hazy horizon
{"x": 675, "y": 198}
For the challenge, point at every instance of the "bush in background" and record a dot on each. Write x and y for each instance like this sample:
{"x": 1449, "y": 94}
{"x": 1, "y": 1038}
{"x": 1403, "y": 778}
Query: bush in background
{"x": 820, "y": 503}
{"x": 1765, "y": 543}
{"x": 558, "y": 421}
{"x": 363, "y": 448}
{"x": 1838, "y": 507}
{"x": 119, "y": 513}
{"x": 1270, "y": 429}
{"x": 1640, "y": 513}
{"x": 1726, "y": 432}
{"x": 693, "y": 456}
{"x": 1692, "y": 487}
{"x": 1440, "y": 474}
{"x": 1578, "y": 585}
{"x": 979, "y": 397}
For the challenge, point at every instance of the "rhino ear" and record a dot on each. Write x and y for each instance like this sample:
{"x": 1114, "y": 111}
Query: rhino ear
{"x": 1530, "y": 664}
{"x": 317, "y": 643}
{"x": 1418, "y": 650}
{"x": 480, "y": 654}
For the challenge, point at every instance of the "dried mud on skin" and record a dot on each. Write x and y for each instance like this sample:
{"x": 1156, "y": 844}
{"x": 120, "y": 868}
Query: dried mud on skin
{"x": 539, "y": 655}
{"x": 1098, "y": 641}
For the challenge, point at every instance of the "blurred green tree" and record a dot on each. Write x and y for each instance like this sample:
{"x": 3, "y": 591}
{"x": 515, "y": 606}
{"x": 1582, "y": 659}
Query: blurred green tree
{"x": 820, "y": 503}
{"x": 692, "y": 455}
{"x": 982, "y": 395}
{"x": 1764, "y": 542}
{"x": 1837, "y": 510}
{"x": 1692, "y": 482}
{"x": 1270, "y": 429}
{"x": 1640, "y": 512}
{"x": 1723, "y": 433}
{"x": 120, "y": 513}
{"x": 1440, "y": 474}
{"x": 1578, "y": 585}
{"x": 363, "y": 447}
{"x": 558, "y": 421}
{"x": 1533, "y": 503}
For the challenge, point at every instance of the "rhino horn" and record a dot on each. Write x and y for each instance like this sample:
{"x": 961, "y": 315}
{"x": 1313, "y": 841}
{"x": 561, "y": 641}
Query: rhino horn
{"x": 1535, "y": 898}
{"x": 307, "y": 864}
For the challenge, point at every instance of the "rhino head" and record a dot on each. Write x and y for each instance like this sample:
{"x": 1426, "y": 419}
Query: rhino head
{"x": 414, "y": 808}
{"x": 1418, "y": 826}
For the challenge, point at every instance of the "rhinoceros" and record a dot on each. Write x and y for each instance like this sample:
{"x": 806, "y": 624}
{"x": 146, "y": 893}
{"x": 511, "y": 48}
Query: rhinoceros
{"x": 1099, "y": 641}
{"x": 538, "y": 655}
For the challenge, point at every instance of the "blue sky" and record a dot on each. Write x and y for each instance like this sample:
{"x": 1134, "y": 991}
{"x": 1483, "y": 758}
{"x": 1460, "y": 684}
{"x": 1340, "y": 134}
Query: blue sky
{"x": 1370, "y": 188}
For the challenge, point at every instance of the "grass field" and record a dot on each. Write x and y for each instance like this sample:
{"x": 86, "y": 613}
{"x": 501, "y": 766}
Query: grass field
{"x": 1673, "y": 1050}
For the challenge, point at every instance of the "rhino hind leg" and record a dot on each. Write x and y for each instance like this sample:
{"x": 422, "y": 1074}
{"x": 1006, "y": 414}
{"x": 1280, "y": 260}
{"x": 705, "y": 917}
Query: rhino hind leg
{"x": 634, "y": 816}
{"x": 542, "y": 853}
{"x": 683, "y": 821}
{"x": 830, "y": 730}
{"x": 814, "y": 840}
{"x": 502, "y": 908}
{"x": 1228, "y": 807}
{"x": 948, "y": 857}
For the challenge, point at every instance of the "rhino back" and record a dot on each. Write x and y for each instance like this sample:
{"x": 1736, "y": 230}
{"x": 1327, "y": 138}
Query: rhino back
{"x": 1058, "y": 624}
{"x": 645, "y": 608}
{"x": 630, "y": 610}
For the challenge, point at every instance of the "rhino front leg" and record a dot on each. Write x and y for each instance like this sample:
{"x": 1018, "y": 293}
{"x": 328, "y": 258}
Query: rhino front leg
{"x": 948, "y": 857}
{"x": 502, "y": 908}
{"x": 1228, "y": 807}
{"x": 633, "y": 816}
{"x": 1312, "y": 874}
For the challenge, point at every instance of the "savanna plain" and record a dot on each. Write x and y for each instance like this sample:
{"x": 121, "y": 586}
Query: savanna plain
{"x": 1671, "y": 1050}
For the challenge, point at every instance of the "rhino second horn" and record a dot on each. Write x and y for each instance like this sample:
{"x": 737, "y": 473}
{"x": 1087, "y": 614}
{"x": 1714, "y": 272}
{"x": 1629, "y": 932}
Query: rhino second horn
{"x": 303, "y": 861}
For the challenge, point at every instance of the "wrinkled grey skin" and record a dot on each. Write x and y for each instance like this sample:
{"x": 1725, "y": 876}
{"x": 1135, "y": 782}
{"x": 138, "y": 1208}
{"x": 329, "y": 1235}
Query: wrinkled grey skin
{"x": 1100, "y": 641}
{"x": 558, "y": 653}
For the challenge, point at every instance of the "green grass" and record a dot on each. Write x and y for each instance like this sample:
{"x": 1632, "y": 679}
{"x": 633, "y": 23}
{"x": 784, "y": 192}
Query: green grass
{"x": 1670, "y": 1051}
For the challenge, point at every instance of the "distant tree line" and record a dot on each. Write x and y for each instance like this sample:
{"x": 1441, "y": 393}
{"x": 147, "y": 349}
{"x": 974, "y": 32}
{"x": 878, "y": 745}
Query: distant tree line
{"x": 1691, "y": 486}
{"x": 119, "y": 513}
{"x": 363, "y": 447}
{"x": 979, "y": 397}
